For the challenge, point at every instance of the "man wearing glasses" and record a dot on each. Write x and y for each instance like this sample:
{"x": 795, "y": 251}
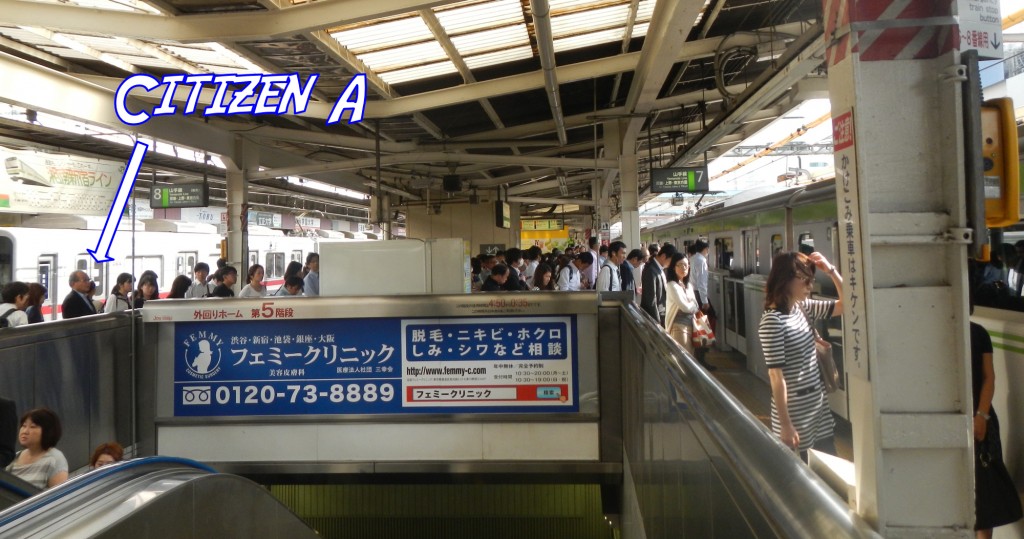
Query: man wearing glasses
{"x": 77, "y": 302}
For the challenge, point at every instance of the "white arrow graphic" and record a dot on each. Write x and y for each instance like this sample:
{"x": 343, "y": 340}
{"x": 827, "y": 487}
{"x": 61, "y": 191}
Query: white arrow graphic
{"x": 124, "y": 191}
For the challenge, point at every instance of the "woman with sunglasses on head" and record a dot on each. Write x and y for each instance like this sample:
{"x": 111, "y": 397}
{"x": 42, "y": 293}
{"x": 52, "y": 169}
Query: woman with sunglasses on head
{"x": 801, "y": 416}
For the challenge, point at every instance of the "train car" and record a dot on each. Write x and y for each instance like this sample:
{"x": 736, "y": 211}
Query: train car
{"x": 48, "y": 248}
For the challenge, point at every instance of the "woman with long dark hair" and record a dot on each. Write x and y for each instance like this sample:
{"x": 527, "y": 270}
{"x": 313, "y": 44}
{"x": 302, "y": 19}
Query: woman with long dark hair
{"x": 543, "y": 278}
{"x": 680, "y": 302}
{"x": 118, "y": 298}
{"x": 179, "y": 287}
{"x": 147, "y": 290}
{"x": 801, "y": 416}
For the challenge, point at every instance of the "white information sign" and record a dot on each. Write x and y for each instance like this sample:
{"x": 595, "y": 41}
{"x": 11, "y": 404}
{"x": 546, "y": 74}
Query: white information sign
{"x": 213, "y": 216}
{"x": 981, "y": 28}
{"x": 35, "y": 182}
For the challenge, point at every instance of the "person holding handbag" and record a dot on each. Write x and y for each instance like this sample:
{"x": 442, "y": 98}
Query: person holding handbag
{"x": 680, "y": 303}
{"x": 801, "y": 416}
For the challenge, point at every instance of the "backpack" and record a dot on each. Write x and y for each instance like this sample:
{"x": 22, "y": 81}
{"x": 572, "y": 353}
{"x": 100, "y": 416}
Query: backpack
{"x": 3, "y": 319}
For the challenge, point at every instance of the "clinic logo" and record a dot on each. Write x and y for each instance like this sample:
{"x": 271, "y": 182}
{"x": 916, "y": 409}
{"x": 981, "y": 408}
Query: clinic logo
{"x": 202, "y": 354}
{"x": 193, "y": 395}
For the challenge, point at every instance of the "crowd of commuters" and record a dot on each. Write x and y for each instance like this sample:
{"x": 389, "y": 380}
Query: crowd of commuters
{"x": 22, "y": 303}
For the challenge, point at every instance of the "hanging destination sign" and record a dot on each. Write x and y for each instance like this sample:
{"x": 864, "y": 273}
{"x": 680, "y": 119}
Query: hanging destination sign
{"x": 183, "y": 195}
{"x": 679, "y": 180}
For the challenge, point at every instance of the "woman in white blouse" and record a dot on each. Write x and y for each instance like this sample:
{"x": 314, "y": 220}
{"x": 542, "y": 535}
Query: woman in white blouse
{"x": 118, "y": 299}
{"x": 255, "y": 288}
{"x": 680, "y": 302}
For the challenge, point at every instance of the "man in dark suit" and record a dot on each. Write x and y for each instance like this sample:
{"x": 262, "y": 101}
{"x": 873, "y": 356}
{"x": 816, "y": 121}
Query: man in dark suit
{"x": 652, "y": 297}
{"x": 77, "y": 302}
{"x": 8, "y": 431}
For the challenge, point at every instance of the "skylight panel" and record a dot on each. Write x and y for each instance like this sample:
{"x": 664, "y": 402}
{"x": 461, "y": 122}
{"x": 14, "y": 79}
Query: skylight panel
{"x": 499, "y": 57}
{"x": 640, "y": 29}
{"x": 196, "y": 55}
{"x": 489, "y": 40}
{"x": 110, "y": 5}
{"x": 586, "y": 40}
{"x": 419, "y": 72}
{"x": 401, "y": 57}
{"x": 645, "y": 10}
{"x": 577, "y": 23}
{"x": 479, "y": 16}
{"x": 384, "y": 35}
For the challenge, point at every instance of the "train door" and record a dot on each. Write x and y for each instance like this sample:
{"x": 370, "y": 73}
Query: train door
{"x": 96, "y": 272}
{"x": 142, "y": 264}
{"x": 46, "y": 269}
{"x": 297, "y": 256}
{"x": 274, "y": 267}
{"x": 6, "y": 260}
{"x": 185, "y": 263}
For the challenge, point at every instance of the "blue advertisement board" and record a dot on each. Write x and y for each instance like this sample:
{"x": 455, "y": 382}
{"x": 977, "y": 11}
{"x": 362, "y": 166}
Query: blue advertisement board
{"x": 376, "y": 366}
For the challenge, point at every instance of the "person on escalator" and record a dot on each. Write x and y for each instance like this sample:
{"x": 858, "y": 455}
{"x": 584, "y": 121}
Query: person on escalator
{"x": 40, "y": 463}
{"x": 106, "y": 453}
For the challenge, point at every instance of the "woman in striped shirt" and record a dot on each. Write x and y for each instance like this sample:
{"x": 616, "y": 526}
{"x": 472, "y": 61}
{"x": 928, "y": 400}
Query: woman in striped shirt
{"x": 801, "y": 416}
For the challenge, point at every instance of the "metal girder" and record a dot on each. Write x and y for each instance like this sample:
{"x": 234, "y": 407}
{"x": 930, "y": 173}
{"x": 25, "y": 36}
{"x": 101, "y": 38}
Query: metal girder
{"x": 803, "y": 56}
{"x": 29, "y": 85}
{"x": 215, "y": 27}
{"x": 787, "y": 149}
{"x": 527, "y": 188}
{"x": 438, "y": 157}
{"x": 556, "y": 201}
{"x": 546, "y": 51}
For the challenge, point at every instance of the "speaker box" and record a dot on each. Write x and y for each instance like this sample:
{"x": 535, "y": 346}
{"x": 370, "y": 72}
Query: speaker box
{"x": 451, "y": 183}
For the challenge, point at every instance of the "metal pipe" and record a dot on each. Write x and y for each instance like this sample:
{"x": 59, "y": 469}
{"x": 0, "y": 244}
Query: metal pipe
{"x": 546, "y": 51}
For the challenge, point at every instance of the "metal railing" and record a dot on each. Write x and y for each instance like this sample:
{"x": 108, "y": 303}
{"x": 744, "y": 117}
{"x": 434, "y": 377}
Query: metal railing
{"x": 701, "y": 464}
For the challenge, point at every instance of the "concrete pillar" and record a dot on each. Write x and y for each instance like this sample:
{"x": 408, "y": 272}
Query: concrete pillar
{"x": 897, "y": 122}
{"x": 245, "y": 158}
{"x": 630, "y": 200}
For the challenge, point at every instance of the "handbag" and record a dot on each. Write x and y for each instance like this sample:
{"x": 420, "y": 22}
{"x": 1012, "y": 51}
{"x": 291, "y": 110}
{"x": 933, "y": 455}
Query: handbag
{"x": 826, "y": 363}
{"x": 702, "y": 335}
{"x": 996, "y": 500}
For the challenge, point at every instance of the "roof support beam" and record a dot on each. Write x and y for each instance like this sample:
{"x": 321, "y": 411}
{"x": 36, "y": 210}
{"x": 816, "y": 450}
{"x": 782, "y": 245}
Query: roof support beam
{"x": 546, "y": 50}
{"x": 436, "y": 157}
{"x": 557, "y": 201}
{"x": 222, "y": 27}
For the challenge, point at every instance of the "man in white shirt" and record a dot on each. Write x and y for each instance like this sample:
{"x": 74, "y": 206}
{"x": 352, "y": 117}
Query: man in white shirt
{"x": 12, "y": 310}
{"x": 570, "y": 276}
{"x": 608, "y": 277}
{"x": 699, "y": 273}
{"x": 591, "y": 273}
{"x": 200, "y": 288}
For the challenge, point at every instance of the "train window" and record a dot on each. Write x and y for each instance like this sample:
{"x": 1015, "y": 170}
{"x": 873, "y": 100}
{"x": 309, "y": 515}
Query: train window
{"x": 805, "y": 243}
{"x": 274, "y": 267}
{"x": 147, "y": 263}
{"x": 776, "y": 244}
{"x": 723, "y": 253}
{"x": 6, "y": 260}
{"x": 254, "y": 258}
{"x": 297, "y": 257}
{"x": 184, "y": 264}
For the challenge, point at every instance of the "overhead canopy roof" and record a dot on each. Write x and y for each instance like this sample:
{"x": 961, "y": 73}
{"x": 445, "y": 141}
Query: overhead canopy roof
{"x": 455, "y": 86}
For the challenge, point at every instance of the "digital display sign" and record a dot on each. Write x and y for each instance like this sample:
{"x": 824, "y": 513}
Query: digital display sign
{"x": 679, "y": 180}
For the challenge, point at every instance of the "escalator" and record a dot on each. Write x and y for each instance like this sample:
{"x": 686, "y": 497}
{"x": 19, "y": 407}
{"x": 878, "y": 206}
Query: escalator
{"x": 154, "y": 497}
{"x": 13, "y": 490}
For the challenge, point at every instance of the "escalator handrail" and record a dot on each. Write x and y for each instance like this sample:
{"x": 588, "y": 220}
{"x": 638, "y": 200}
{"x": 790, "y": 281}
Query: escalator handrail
{"x": 10, "y": 486}
{"x": 76, "y": 484}
{"x": 765, "y": 465}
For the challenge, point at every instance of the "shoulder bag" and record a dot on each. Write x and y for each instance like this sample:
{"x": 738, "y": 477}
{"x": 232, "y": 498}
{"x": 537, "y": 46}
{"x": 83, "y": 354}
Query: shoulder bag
{"x": 826, "y": 363}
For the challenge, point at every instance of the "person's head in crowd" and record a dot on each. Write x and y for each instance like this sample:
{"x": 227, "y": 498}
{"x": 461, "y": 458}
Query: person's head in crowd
{"x": 201, "y": 271}
{"x": 789, "y": 281}
{"x": 36, "y": 294}
{"x": 229, "y": 276}
{"x": 665, "y": 253}
{"x": 542, "y": 277}
{"x": 556, "y": 252}
{"x": 40, "y": 430}
{"x": 147, "y": 288}
{"x": 221, "y": 262}
{"x": 256, "y": 273}
{"x": 79, "y": 281}
{"x": 691, "y": 249}
{"x": 513, "y": 257}
{"x": 533, "y": 253}
{"x": 678, "y": 269}
{"x": 294, "y": 285}
{"x": 106, "y": 453}
{"x": 616, "y": 252}
{"x": 499, "y": 257}
{"x": 653, "y": 249}
{"x": 294, "y": 269}
{"x": 123, "y": 285}
{"x": 583, "y": 261}
{"x": 179, "y": 286}
{"x": 700, "y": 246}
{"x": 92, "y": 289}
{"x": 475, "y": 264}
{"x": 150, "y": 274}
{"x": 313, "y": 262}
{"x": 603, "y": 251}
{"x": 487, "y": 261}
{"x": 635, "y": 258}
{"x": 16, "y": 293}
{"x": 499, "y": 273}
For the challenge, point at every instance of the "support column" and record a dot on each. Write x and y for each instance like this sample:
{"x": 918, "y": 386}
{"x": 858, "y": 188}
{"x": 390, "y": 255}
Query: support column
{"x": 630, "y": 200}
{"x": 245, "y": 158}
{"x": 897, "y": 122}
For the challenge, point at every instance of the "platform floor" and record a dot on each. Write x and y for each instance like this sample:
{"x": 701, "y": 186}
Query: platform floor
{"x": 756, "y": 394}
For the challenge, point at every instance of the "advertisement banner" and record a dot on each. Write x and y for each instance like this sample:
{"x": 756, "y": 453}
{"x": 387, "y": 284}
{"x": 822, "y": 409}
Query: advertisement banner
{"x": 376, "y": 366}
{"x": 35, "y": 182}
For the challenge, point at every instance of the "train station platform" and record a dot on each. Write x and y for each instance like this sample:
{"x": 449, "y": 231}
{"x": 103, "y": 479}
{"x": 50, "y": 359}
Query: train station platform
{"x": 615, "y": 433}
